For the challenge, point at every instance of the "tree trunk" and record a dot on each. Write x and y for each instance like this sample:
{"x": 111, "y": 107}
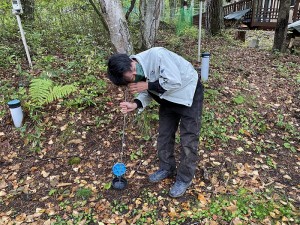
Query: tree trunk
{"x": 214, "y": 17}
{"x": 150, "y": 17}
{"x": 281, "y": 26}
{"x": 114, "y": 17}
{"x": 28, "y": 10}
{"x": 172, "y": 4}
{"x": 132, "y": 4}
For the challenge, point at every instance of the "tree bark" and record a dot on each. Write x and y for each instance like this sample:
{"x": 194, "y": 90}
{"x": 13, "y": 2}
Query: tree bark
{"x": 28, "y": 10}
{"x": 114, "y": 17}
{"x": 150, "y": 17}
{"x": 172, "y": 4}
{"x": 281, "y": 26}
{"x": 214, "y": 17}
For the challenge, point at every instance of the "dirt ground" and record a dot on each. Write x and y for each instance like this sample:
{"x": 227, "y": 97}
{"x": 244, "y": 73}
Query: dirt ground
{"x": 27, "y": 177}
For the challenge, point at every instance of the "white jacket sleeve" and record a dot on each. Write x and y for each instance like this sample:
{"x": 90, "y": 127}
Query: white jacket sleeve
{"x": 145, "y": 98}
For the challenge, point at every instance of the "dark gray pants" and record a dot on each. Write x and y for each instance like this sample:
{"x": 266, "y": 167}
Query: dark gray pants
{"x": 170, "y": 115}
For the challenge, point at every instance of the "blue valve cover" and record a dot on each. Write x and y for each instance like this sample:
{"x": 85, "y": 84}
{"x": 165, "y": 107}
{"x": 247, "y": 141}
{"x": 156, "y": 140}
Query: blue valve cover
{"x": 119, "y": 169}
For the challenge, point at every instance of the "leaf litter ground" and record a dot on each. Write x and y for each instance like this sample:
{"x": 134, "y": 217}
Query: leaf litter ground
{"x": 250, "y": 139}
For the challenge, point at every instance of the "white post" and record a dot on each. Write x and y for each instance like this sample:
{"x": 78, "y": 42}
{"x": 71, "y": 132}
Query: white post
{"x": 24, "y": 40}
{"x": 200, "y": 28}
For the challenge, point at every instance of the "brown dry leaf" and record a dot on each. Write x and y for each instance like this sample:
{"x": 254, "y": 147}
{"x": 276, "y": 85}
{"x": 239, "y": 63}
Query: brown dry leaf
{"x": 231, "y": 208}
{"x": 172, "y": 213}
{"x": 267, "y": 221}
{"x": 75, "y": 141}
{"x": 213, "y": 222}
{"x": 2, "y": 193}
{"x": 63, "y": 184}
{"x": 106, "y": 143}
{"x": 202, "y": 199}
{"x": 186, "y": 206}
{"x": 44, "y": 173}
{"x": 131, "y": 173}
{"x": 123, "y": 222}
{"x": 3, "y": 184}
{"x": 21, "y": 217}
{"x": 64, "y": 127}
{"x": 159, "y": 222}
{"x": 54, "y": 180}
{"x": 236, "y": 221}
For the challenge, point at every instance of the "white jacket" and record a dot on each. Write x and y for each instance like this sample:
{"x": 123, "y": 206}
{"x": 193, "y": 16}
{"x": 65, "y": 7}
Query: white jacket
{"x": 175, "y": 74}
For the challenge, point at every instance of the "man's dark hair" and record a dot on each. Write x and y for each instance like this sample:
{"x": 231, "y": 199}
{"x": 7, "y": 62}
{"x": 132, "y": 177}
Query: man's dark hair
{"x": 116, "y": 66}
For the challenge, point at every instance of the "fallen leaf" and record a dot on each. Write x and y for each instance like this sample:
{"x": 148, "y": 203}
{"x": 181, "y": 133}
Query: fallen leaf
{"x": 63, "y": 184}
{"x": 172, "y": 213}
{"x": 3, "y": 184}
{"x": 64, "y": 127}
{"x": 54, "y": 180}
{"x": 202, "y": 199}
{"x": 236, "y": 221}
{"x": 45, "y": 174}
{"x": 131, "y": 173}
{"x": 75, "y": 141}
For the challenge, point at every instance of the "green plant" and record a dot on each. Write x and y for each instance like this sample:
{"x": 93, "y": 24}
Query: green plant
{"x": 76, "y": 219}
{"x": 84, "y": 193}
{"x": 138, "y": 153}
{"x": 119, "y": 207}
{"x": 239, "y": 99}
{"x": 271, "y": 162}
{"x": 74, "y": 160}
{"x": 43, "y": 91}
{"x": 33, "y": 136}
{"x": 289, "y": 146}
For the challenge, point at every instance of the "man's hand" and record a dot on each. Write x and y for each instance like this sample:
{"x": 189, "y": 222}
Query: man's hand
{"x": 127, "y": 107}
{"x": 138, "y": 87}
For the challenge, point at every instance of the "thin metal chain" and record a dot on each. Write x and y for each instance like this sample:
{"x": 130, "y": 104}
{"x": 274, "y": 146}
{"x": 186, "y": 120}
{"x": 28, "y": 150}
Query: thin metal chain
{"x": 124, "y": 125}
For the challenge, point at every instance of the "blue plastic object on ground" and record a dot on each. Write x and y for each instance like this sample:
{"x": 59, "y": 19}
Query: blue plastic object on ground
{"x": 119, "y": 169}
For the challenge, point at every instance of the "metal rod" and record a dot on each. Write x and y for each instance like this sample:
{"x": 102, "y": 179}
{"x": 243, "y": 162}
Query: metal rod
{"x": 200, "y": 28}
{"x": 123, "y": 132}
{"x": 24, "y": 40}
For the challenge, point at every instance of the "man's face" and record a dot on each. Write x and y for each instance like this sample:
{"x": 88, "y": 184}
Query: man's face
{"x": 129, "y": 76}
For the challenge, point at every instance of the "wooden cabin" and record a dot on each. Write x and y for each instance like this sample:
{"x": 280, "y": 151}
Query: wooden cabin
{"x": 259, "y": 14}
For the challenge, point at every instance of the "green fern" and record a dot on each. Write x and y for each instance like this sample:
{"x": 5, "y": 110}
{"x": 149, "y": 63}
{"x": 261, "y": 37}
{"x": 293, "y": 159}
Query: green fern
{"x": 42, "y": 91}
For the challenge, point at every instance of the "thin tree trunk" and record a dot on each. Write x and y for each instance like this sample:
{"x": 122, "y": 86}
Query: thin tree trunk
{"x": 130, "y": 9}
{"x": 172, "y": 4}
{"x": 214, "y": 17}
{"x": 28, "y": 10}
{"x": 114, "y": 17}
{"x": 150, "y": 17}
{"x": 281, "y": 26}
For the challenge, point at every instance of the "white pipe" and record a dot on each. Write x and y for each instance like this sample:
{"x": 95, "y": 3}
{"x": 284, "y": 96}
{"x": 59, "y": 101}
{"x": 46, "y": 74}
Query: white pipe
{"x": 200, "y": 28}
{"x": 24, "y": 40}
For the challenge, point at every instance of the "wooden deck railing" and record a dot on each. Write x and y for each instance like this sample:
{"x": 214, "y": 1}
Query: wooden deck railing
{"x": 263, "y": 13}
{"x": 237, "y": 6}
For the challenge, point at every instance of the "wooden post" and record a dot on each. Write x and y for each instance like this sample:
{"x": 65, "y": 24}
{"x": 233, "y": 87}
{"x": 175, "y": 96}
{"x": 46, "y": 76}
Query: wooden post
{"x": 254, "y": 2}
{"x": 296, "y": 8}
{"x": 240, "y": 35}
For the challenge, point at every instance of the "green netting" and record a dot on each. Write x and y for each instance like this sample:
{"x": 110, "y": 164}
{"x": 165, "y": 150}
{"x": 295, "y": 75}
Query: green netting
{"x": 184, "y": 19}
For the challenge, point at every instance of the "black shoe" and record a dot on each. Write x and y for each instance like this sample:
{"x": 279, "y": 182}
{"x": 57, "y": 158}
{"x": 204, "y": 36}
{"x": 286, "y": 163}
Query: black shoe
{"x": 179, "y": 188}
{"x": 160, "y": 175}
